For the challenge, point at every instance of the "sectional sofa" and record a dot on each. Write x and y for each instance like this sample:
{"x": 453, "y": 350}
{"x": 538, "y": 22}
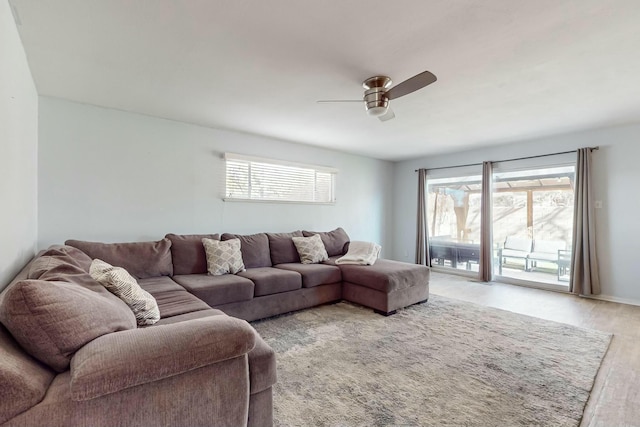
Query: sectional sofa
{"x": 71, "y": 354}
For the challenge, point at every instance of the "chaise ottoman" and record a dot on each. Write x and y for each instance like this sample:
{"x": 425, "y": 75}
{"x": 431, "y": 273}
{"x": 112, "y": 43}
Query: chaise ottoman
{"x": 386, "y": 285}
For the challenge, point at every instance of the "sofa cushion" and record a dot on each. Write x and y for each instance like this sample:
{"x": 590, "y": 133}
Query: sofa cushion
{"x": 254, "y": 248}
{"x": 314, "y": 274}
{"x": 385, "y": 275}
{"x": 262, "y": 358}
{"x": 140, "y": 259}
{"x": 176, "y": 303}
{"x": 65, "y": 264}
{"x": 157, "y": 285}
{"x": 223, "y": 257}
{"x": 53, "y": 319}
{"x": 217, "y": 290}
{"x": 124, "y": 286}
{"x": 59, "y": 262}
{"x": 118, "y": 362}
{"x": 24, "y": 380}
{"x": 262, "y": 366}
{"x": 282, "y": 249}
{"x": 173, "y": 300}
{"x": 310, "y": 249}
{"x": 188, "y": 253}
{"x": 190, "y": 316}
{"x": 269, "y": 280}
{"x": 336, "y": 242}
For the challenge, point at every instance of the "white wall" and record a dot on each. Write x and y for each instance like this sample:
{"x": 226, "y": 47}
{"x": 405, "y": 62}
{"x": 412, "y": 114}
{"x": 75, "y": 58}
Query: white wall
{"x": 18, "y": 152}
{"x": 108, "y": 175}
{"x": 616, "y": 175}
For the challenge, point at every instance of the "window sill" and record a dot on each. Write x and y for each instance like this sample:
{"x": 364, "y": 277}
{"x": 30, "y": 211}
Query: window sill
{"x": 286, "y": 202}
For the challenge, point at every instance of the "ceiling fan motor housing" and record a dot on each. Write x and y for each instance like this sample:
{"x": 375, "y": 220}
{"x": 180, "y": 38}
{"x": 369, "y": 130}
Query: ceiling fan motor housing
{"x": 375, "y": 99}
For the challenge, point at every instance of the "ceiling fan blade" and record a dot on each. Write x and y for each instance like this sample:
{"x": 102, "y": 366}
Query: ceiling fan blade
{"x": 387, "y": 116}
{"x": 326, "y": 101}
{"x": 411, "y": 85}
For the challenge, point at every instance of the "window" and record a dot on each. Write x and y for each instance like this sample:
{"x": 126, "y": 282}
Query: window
{"x": 254, "y": 178}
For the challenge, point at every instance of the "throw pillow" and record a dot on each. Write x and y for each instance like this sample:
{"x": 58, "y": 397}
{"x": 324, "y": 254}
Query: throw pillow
{"x": 223, "y": 257}
{"x": 336, "y": 242}
{"x": 311, "y": 249}
{"x": 118, "y": 281}
{"x": 54, "y": 319}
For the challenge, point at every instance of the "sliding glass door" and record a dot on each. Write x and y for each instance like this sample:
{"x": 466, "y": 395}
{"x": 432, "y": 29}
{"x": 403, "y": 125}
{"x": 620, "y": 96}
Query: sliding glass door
{"x": 533, "y": 224}
{"x": 453, "y": 212}
{"x": 531, "y": 220}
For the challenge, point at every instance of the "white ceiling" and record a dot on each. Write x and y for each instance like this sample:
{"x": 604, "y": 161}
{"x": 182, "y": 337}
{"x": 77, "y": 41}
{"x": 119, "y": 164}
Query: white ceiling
{"x": 507, "y": 70}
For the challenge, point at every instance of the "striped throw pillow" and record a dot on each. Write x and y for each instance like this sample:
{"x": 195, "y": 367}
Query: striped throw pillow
{"x": 120, "y": 283}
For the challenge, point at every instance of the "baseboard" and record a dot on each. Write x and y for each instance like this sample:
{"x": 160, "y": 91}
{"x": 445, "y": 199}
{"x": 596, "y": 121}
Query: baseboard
{"x": 629, "y": 301}
{"x": 533, "y": 285}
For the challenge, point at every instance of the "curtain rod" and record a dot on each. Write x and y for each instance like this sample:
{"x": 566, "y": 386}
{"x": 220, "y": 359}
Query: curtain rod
{"x": 510, "y": 160}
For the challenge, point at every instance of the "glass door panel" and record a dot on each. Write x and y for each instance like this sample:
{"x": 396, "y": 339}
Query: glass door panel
{"x": 533, "y": 224}
{"x": 453, "y": 212}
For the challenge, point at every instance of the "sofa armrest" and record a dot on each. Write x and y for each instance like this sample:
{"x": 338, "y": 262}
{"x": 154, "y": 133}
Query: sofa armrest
{"x": 120, "y": 360}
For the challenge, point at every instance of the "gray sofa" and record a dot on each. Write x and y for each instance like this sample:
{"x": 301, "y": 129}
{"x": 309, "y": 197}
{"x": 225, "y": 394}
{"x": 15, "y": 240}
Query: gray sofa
{"x": 200, "y": 364}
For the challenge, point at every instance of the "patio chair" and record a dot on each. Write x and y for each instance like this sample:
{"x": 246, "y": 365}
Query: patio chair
{"x": 547, "y": 251}
{"x": 515, "y": 247}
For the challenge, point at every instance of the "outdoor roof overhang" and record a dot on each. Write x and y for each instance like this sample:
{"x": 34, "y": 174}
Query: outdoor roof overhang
{"x": 548, "y": 182}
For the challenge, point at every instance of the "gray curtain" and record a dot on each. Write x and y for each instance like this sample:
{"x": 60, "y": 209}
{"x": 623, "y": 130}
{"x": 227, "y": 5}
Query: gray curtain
{"x": 585, "y": 278}
{"x": 422, "y": 238}
{"x": 486, "y": 239}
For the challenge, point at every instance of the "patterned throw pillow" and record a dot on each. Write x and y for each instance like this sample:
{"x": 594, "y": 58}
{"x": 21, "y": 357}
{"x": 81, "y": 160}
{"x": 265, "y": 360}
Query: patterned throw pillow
{"x": 119, "y": 282}
{"x": 223, "y": 257}
{"x": 311, "y": 249}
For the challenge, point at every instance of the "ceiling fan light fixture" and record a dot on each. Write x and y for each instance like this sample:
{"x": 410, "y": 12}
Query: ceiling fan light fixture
{"x": 375, "y": 100}
{"x": 377, "y": 111}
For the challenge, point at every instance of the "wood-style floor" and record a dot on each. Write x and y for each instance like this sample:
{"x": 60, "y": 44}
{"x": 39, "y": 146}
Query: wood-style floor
{"x": 615, "y": 398}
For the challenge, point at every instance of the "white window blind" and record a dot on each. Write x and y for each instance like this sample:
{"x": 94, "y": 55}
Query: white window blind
{"x": 254, "y": 178}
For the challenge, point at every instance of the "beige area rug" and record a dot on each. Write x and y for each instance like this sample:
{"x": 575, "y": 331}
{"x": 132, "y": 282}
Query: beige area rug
{"x": 441, "y": 363}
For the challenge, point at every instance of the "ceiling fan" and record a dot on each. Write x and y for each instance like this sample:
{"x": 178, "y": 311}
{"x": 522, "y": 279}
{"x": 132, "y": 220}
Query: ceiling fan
{"x": 377, "y": 93}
